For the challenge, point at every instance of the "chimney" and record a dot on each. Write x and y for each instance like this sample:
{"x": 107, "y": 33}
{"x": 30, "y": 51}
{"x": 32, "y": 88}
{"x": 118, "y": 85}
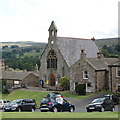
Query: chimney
{"x": 99, "y": 55}
{"x": 83, "y": 54}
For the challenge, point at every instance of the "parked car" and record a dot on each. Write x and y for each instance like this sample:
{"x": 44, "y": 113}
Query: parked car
{"x": 3, "y": 102}
{"x": 50, "y": 104}
{"x": 101, "y": 104}
{"x": 114, "y": 98}
{"x": 21, "y": 105}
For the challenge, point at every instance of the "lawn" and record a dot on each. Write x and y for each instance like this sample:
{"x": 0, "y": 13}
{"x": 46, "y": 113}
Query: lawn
{"x": 19, "y": 94}
{"x": 60, "y": 115}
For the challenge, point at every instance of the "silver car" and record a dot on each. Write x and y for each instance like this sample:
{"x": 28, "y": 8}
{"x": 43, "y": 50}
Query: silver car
{"x": 3, "y": 102}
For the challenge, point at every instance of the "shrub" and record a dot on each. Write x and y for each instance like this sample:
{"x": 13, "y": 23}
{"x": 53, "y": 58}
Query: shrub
{"x": 4, "y": 88}
{"x": 65, "y": 83}
{"x": 80, "y": 89}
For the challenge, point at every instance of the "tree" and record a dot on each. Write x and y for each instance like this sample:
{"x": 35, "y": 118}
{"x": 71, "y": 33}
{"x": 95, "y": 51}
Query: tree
{"x": 65, "y": 83}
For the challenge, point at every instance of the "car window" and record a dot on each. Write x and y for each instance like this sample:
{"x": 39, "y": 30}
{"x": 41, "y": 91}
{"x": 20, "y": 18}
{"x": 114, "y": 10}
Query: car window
{"x": 0, "y": 101}
{"x": 98, "y": 100}
{"x": 5, "y": 101}
{"x": 16, "y": 101}
{"x": 65, "y": 101}
{"x": 45, "y": 100}
{"x": 29, "y": 101}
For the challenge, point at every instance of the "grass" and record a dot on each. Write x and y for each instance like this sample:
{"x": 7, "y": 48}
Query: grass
{"x": 19, "y": 94}
{"x": 60, "y": 115}
{"x": 68, "y": 94}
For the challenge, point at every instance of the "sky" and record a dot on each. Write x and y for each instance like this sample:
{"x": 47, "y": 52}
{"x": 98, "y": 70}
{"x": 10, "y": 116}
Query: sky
{"x": 29, "y": 20}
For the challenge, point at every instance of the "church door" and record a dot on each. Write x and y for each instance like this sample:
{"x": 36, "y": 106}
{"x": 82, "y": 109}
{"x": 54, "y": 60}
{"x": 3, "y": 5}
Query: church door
{"x": 52, "y": 80}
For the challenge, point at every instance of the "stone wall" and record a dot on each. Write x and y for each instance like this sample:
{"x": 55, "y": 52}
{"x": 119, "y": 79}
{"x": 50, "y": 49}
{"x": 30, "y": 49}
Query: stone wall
{"x": 62, "y": 67}
{"x": 31, "y": 80}
{"x": 100, "y": 80}
{"x": 76, "y": 75}
{"x": 114, "y": 79}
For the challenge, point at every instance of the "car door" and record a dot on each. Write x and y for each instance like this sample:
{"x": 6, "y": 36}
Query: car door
{"x": 107, "y": 104}
{"x": 26, "y": 105}
{"x": 65, "y": 105}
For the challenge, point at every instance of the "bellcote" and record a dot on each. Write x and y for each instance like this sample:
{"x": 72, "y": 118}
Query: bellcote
{"x": 52, "y": 31}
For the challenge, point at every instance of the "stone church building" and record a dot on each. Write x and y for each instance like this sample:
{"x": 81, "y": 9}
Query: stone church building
{"x": 79, "y": 59}
{"x": 61, "y": 53}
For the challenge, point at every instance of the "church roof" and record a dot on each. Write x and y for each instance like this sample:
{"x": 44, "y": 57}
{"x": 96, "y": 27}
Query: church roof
{"x": 71, "y": 48}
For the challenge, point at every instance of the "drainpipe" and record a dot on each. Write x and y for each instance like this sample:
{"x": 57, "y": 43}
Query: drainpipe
{"x": 95, "y": 81}
{"x": 111, "y": 78}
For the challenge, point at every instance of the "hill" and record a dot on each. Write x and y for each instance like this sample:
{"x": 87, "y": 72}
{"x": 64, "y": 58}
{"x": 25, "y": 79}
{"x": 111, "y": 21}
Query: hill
{"x": 107, "y": 41}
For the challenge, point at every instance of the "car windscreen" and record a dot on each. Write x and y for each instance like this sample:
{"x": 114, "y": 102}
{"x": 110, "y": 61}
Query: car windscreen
{"x": 98, "y": 100}
{"x": 15, "y": 102}
{"x": 45, "y": 100}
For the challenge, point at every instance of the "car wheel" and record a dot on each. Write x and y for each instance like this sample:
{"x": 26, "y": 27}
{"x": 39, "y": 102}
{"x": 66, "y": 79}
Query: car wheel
{"x": 19, "y": 109}
{"x": 33, "y": 110}
{"x": 102, "y": 109}
{"x": 89, "y": 111}
{"x": 71, "y": 109}
{"x": 112, "y": 109}
{"x": 55, "y": 109}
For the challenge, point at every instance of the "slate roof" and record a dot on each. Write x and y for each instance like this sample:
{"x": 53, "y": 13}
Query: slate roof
{"x": 15, "y": 75}
{"x": 71, "y": 48}
{"x": 101, "y": 63}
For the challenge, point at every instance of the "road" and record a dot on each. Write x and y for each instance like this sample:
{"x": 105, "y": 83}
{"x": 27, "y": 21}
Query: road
{"x": 80, "y": 105}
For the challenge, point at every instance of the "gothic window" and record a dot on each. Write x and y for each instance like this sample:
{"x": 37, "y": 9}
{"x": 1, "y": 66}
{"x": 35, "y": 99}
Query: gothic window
{"x": 85, "y": 74}
{"x": 52, "y": 60}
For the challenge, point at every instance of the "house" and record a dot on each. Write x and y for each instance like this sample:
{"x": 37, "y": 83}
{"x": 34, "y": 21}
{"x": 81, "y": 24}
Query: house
{"x": 60, "y": 54}
{"x": 20, "y": 79}
{"x": 92, "y": 72}
{"x": 17, "y": 79}
{"x": 114, "y": 77}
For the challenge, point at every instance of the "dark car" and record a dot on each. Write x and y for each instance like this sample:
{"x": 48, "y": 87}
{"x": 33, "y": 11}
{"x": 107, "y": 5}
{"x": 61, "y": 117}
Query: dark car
{"x": 52, "y": 105}
{"x": 21, "y": 105}
{"x": 114, "y": 98}
{"x": 101, "y": 104}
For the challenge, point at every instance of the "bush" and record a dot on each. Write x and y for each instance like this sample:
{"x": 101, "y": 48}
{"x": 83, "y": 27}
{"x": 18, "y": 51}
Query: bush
{"x": 65, "y": 83}
{"x": 80, "y": 89}
{"x": 4, "y": 88}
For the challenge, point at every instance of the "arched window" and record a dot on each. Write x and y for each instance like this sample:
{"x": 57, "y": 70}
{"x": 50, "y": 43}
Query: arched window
{"x": 51, "y": 60}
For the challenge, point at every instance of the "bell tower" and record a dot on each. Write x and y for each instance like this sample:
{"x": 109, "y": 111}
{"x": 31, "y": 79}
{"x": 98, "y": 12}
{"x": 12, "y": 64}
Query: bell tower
{"x": 52, "y": 32}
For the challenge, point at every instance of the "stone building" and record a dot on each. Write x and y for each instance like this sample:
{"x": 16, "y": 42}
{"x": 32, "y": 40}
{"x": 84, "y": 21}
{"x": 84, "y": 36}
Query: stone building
{"x": 60, "y": 54}
{"x": 114, "y": 77}
{"x": 17, "y": 79}
{"x": 93, "y": 72}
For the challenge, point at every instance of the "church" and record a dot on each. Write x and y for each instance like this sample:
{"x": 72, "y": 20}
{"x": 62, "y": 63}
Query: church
{"x": 60, "y": 55}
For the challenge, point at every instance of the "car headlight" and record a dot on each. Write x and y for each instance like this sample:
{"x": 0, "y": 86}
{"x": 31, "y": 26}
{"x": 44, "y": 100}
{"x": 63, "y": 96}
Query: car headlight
{"x": 15, "y": 105}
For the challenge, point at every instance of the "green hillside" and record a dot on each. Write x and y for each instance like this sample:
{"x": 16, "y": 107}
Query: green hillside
{"x": 107, "y": 41}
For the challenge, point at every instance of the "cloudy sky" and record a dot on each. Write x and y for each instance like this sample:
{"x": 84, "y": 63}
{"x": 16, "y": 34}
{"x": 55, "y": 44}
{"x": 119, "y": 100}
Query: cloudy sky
{"x": 29, "y": 20}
